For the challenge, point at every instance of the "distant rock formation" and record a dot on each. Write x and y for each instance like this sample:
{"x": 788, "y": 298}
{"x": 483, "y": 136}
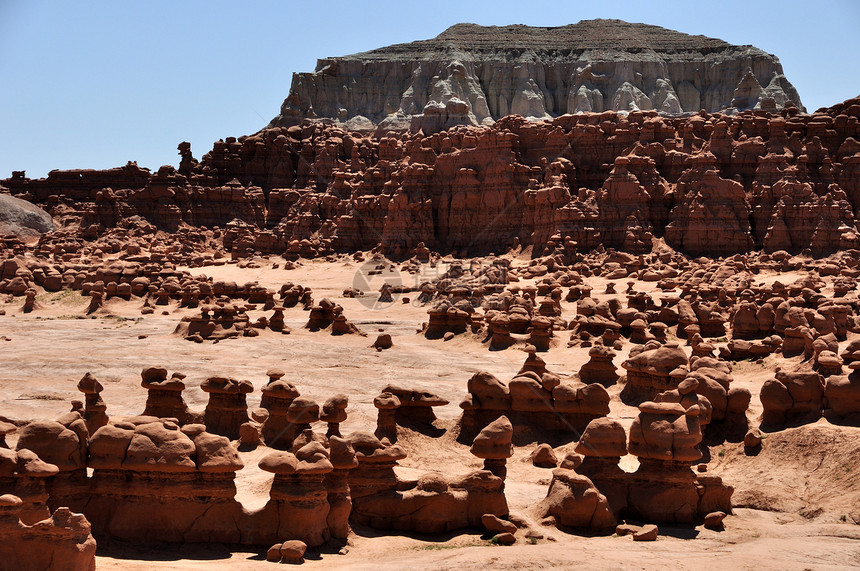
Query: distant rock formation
{"x": 707, "y": 184}
{"x": 475, "y": 75}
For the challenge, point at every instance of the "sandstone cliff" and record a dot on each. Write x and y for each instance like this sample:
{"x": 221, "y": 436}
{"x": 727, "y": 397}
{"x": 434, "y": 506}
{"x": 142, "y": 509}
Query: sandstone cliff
{"x": 709, "y": 184}
{"x": 475, "y": 75}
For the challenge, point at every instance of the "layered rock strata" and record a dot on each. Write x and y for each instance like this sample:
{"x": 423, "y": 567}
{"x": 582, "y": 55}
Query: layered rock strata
{"x": 475, "y": 75}
{"x": 709, "y": 184}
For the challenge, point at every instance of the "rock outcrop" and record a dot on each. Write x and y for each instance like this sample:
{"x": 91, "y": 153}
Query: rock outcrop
{"x": 475, "y": 75}
{"x": 23, "y": 219}
{"x": 707, "y": 184}
{"x": 435, "y": 502}
{"x": 536, "y": 405}
{"x": 62, "y": 542}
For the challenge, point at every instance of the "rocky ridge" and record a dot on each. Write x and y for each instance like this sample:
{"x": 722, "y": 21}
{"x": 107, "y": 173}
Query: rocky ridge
{"x": 709, "y": 184}
{"x": 475, "y": 75}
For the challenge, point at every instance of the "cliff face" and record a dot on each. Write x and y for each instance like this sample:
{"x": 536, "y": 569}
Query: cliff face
{"x": 709, "y": 184}
{"x": 474, "y": 75}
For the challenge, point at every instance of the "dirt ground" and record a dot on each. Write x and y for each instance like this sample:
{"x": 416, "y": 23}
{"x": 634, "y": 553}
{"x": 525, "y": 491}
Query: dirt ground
{"x": 797, "y": 502}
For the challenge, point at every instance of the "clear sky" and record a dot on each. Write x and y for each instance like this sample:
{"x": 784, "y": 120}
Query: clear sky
{"x": 94, "y": 84}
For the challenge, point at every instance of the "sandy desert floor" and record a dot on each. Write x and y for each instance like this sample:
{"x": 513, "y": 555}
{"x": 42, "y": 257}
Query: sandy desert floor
{"x": 797, "y": 502}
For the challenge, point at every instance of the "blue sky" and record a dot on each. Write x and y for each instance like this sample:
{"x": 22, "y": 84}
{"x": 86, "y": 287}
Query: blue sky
{"x": 96, "y": 84}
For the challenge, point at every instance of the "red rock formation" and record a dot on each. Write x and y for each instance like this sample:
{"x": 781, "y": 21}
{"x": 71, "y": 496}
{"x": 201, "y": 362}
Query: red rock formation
{"x": 310, "y": 189}
{"x": 298, "y": 493}
{"x": 573, "y": 501}
{"x": 535, "y": 404}
{"x": 665, "y": 436}
{"x": 434, "y": 503}
{"x": 648, "y": 373}
{"x": 842, "y": 394}
{"x": 164, "y": 398}
{"x": 61, "y": 542}
{"x": 226, "y": 410}
{"x": 792, "y": 397}
{"x": 153, "y": 482}
{"x": 94, "y": 407}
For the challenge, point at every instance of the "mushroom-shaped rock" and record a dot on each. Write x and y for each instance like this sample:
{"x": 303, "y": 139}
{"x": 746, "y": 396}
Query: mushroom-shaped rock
{"x": 227, "y": 408}
{"x": 488, "y": 392}
{"x": 214, "y": 453}
{"x": 493, "y": 444}
{"x": 53, "y": 443}
{"x": 386, "y": 401}
{"x": 277, "y": 396}
{"x": 494, "y": 441}
{"x": 599, "y": 368}
{"x": 94, "y": 411}
{"x": 303, "y": 411}
{"x": 533, "y": 362}
{"x": 341, "y": 453}
{"x": 369, "y": 448}
{"x": 416, "y": 406}
{"x": 90, "y": 385}
{"x": 165, "y": 395}
{"x": 313, "y": 459}
{"x": 603, "y": 437}
{"x": 279, "y": 462}
{"x": 334, "y": 412}
{"x": 160, "y": 447}
{"x": 386, "y": 420}
{"x": 154, "y": 375}
{"x": 275, "y": 373}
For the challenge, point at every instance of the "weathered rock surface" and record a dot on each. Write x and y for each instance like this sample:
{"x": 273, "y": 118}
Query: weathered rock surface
{"x": 707, "y": 184}
{"x": 62, "y": 542}
{"x": 23, "y": 219}
{"x": 475, "y": 75}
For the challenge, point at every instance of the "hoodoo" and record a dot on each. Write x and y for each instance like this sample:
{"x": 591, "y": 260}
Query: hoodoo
{"x": 628, "y": 254}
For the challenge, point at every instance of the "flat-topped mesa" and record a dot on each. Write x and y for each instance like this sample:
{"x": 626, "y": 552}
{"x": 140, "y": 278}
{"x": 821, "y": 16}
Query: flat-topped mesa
{"x": 474, "y": 75}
